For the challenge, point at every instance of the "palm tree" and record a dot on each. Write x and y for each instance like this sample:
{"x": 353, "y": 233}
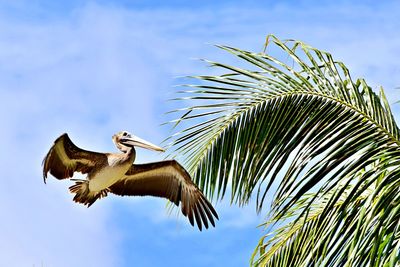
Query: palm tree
{"x": 295, "y": 128}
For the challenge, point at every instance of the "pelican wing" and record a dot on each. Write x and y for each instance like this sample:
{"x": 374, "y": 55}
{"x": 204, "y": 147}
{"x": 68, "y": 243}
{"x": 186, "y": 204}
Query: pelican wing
{"x": 167, "y": 179}
{"x": 65, "y": 158}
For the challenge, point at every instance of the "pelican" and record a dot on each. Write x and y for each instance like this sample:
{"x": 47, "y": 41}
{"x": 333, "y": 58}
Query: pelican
{"x": 115, "y": 173}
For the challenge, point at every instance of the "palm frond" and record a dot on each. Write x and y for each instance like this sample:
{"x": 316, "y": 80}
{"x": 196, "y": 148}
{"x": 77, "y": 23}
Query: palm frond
{"x": 303, "y": 124}
{"x": 325, "y": 237}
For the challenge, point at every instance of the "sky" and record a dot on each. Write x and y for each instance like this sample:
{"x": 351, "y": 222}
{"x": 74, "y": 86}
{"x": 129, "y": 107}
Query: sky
{"x": 93, "y": 68}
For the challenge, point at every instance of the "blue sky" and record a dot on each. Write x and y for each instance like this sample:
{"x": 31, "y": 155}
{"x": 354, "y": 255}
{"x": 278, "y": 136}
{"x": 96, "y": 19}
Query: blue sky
{"x": 92, "y": 68}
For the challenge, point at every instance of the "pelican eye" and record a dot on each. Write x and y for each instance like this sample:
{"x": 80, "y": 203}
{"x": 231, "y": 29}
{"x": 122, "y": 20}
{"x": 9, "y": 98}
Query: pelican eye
{"x": 125, "y": 134}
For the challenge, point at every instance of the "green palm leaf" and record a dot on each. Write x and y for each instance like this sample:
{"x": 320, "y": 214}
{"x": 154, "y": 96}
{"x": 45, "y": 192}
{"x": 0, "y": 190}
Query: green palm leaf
{"x": 322, "y": 235}
{"x": 328, "y": 144}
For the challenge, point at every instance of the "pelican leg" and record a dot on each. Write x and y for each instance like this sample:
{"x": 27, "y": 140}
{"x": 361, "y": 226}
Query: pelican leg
{"x": 83, "y": 194}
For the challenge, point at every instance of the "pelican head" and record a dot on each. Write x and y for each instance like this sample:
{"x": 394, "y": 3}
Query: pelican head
{"x": 124, "y": 141}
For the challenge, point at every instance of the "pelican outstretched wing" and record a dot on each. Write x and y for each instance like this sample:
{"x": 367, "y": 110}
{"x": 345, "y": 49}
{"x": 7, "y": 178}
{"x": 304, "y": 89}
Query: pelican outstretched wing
{"x": 65, "y": 158}
{"x": 167, "y": 179}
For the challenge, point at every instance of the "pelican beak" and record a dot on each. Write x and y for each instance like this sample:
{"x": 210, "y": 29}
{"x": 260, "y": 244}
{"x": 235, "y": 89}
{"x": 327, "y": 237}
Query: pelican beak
{"x": 136, "y": 141}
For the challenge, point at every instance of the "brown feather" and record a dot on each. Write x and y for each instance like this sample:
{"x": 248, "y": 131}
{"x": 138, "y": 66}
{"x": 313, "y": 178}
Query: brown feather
{"x": 167, "y": 179}
{"x": 64, "y": 158}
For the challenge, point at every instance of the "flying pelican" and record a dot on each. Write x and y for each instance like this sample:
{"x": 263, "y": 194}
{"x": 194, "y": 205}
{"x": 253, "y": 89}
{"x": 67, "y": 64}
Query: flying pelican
{"x": 116, "y": 173}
